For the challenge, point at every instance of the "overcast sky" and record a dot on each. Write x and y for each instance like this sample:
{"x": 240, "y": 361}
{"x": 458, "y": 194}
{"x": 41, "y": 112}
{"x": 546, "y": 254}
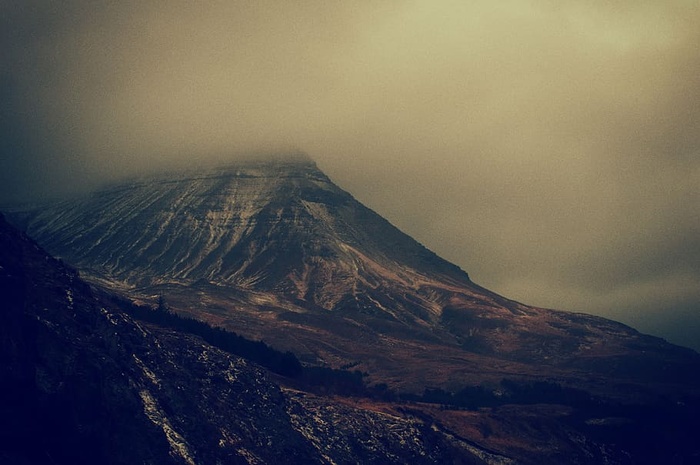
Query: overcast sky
{"x": 551, "y": 148}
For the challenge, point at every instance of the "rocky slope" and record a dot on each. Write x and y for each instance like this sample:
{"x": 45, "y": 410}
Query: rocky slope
{"x": 82, "y": 382}
{"x": 273, "y": 226}
{"x": 274, "y": 250}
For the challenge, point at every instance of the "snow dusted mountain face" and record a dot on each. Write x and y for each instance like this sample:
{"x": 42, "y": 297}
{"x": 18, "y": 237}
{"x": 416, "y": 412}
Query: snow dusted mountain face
{"x": 274, "y": 250}
{"x": 268, "y": 226}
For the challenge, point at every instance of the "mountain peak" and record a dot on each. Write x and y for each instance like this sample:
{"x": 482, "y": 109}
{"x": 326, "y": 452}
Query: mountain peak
{"x": 260, "y": 222}
{"x": 288, "y": 160}
{"x": 284, "y": 165}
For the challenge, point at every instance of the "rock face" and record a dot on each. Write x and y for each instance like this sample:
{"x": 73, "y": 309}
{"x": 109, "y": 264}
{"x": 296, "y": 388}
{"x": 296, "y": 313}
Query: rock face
{"x": 278, "y": 226}
{"x": 81, "y": 382}
{"x": 274, "y": 250}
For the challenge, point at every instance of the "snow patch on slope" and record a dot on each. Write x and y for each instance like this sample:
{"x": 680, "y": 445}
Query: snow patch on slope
{"x": 178, "y": 444}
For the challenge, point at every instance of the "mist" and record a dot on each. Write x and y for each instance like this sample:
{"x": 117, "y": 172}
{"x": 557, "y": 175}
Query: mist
{"x": 550, "y": 149}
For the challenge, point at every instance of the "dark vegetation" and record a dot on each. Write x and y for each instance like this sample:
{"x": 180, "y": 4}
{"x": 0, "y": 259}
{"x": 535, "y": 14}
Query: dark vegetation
{"x": 509, "y": 392}
{"x": 628, "y": 421}
{"x": 325, "y": 380}
{"x": 322, "y": 380}
{"x": 282, "y": 363}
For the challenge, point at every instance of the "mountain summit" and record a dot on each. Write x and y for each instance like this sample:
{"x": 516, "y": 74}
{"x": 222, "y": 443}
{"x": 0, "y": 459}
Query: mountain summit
{"x": 274, "y": 250}
{"x": 273, "y": 225}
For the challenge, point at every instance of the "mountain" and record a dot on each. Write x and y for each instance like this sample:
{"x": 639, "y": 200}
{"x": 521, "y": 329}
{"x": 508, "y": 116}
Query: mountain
{"x": 427, "y": 367}
{"x": 272, "y": 249}
{"x": 279, "y": 226}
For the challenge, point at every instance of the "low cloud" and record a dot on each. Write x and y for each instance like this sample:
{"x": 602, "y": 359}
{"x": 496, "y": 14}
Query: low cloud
{"x": 548, "y": 148}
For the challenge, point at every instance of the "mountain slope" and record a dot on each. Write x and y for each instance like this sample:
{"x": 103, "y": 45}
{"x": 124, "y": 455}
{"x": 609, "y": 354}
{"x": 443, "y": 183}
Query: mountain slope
{"x": 280, "y": 226}
{"x": 83, "y": 383}
{"x": 274, "y": 250}
{"x": 222, "y": 215}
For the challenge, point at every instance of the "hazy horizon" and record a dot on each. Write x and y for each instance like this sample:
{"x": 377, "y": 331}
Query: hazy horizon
{"x": 550, "y": 149}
